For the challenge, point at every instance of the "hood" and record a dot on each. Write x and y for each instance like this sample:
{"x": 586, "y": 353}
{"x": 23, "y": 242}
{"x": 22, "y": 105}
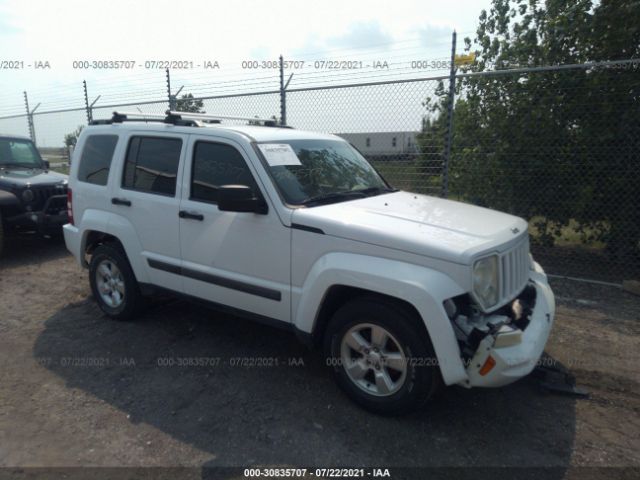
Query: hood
{"x": 419, "y": 224}
{"x": 21, "y": 177}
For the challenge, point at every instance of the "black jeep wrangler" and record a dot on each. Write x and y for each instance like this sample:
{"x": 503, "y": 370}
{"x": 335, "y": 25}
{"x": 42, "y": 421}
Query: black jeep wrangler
{"x": 32, "y": 199}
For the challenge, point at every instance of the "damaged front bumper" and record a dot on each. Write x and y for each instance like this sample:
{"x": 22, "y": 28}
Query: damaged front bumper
{"x": 513, "y": 346}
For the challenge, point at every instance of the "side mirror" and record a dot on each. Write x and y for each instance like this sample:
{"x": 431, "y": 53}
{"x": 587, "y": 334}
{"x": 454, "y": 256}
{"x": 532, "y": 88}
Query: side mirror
{"x": 47, "y": 166}
{"x": 240, "y": 198}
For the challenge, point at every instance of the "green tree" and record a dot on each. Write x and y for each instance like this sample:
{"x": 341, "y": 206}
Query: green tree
{"x": 187, "y": 103}
{"x": 560, "y": 145}
{"x": 259, "y": 122}
{"x": 70, "y": 139}
{"x": 431, "y": 139}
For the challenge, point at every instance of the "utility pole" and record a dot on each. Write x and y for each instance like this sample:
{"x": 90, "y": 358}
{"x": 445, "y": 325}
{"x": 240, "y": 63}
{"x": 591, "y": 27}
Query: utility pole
{"x": 449, "y": 135}
{"x": 32, "y": 130}
{"x": 283, "y": 93}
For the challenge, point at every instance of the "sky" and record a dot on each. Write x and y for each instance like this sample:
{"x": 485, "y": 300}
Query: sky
{"x": 55, "y": 34}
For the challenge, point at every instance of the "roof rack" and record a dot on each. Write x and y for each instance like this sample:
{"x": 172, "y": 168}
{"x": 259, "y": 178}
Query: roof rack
{"x": 188, "y": 119}
{"x": 171, "y": 114}
{"x": 121, "y": 117}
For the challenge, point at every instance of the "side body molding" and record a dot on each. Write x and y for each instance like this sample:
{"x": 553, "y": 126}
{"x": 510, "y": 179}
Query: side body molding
{"x": 422, "y": 287}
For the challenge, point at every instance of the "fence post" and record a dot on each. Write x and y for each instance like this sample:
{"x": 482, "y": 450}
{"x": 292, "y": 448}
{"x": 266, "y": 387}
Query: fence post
{"x": 89, "y": 106}
{"x": 283, "y": 95}
{"x": 172, "y": 100}
{"x": 32, "y": 130}
{"x": 86, "y": 103}
{"x": 449, "y": 132}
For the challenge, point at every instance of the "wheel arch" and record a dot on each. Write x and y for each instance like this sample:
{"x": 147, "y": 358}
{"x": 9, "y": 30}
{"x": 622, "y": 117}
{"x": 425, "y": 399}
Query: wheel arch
{"x": 8, "y": 199}
{"x": 338, "y": 295}
{"x": 100, "y": 228}
{"x": 94, "y": 238}
{"x": 339, "y": 277}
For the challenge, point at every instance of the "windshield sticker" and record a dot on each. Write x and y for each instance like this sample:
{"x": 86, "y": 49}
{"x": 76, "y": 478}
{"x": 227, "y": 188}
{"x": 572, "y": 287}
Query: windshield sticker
{"x": 278, "y": 154}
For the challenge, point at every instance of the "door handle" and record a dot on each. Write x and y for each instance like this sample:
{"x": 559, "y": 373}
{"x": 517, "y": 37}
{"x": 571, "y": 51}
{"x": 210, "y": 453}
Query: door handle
{"x": 121, "y": 201}
{"x": 191, "y": 215}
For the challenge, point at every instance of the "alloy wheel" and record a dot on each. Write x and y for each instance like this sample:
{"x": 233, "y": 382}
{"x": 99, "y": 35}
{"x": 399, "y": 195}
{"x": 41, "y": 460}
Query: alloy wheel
{"x": 110, "y": 283}
{"x": 373, "y": 359}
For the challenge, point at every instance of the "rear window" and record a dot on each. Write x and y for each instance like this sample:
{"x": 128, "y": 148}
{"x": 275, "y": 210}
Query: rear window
{"x": 95, "y": 161}
{"x": 152, "y": 165}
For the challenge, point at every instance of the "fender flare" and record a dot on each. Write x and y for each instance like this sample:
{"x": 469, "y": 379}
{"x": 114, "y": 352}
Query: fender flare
{"x": 8, "y": 199}
{"x": 424, "y": 288}
{"x": 123, "y": 230}
{"x": 92, "y": 221}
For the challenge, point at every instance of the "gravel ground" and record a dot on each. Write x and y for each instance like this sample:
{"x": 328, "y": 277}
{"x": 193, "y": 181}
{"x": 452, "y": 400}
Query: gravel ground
{"x": 80, "y": 390}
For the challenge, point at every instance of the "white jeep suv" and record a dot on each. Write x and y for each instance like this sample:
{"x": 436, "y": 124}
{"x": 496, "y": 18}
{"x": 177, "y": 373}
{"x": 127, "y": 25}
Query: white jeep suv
{"x": 402, "y": 291}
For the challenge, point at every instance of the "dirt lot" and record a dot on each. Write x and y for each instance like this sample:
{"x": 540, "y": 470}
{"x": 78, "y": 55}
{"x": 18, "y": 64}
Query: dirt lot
{"x": 77, "y": 389}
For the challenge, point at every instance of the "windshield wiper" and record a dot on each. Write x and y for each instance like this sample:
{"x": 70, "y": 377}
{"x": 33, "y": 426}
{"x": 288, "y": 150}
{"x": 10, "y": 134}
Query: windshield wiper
{"x": 334, "y": 196}
{"x": 371, "y": 191}
{"x": 347, "y": 194}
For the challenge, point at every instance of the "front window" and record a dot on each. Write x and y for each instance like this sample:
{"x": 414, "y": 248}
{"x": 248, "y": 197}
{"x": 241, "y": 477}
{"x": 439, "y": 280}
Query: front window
{"x": 313, "y": 172}
{"x": 214, "y": 165}
{"x": 16, "y": 152}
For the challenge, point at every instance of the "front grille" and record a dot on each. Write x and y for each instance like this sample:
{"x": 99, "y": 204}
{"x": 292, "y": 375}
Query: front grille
{"x": 514, "y": 266}
{"x": 43, "y": 193}
{"x": 57, "y": 205}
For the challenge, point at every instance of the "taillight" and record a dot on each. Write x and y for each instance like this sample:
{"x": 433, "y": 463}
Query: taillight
{"x": 70, "y": 206}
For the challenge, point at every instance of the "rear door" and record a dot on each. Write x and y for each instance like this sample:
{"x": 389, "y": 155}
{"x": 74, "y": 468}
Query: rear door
{"x": 236, "y": 259}
{"x": 147, "y": 195}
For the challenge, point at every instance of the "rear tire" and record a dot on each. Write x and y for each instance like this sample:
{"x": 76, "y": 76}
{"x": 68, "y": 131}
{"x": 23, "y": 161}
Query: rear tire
{"x": 113, "y": 284}
{"x": 381, "y": 356}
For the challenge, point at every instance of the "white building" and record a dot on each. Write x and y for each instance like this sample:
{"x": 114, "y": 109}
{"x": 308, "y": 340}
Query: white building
{"x": 382, "y": 143}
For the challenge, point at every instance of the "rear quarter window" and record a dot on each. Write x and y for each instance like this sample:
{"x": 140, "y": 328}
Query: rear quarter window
{"x": 95, "y": 161}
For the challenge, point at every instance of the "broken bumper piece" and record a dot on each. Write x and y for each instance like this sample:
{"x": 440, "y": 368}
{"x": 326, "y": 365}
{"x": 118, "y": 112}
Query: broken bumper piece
{"x": 512, "y": 350}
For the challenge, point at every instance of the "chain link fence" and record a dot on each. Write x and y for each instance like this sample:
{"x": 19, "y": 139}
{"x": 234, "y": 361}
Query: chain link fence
{"x": 556, "y": 145}
{"x": 383, "y": 121}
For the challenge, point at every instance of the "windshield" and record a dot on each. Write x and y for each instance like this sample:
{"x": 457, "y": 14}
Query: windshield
{"x": 18, "y": 153}
{"x": 311, "y": 172}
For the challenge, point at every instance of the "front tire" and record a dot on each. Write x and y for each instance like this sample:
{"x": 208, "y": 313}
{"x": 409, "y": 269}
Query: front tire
{"x": 113, "y": 284}
{"x": 381, "y": 356}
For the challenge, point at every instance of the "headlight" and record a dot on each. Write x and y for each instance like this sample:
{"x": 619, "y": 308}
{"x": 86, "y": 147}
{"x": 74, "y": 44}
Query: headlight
{"x": 27, "y": 196}
{"x": 485, "y": 281}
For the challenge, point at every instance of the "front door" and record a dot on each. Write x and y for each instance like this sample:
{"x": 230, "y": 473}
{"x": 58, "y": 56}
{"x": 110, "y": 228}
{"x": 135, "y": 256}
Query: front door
{"x": 236, "y": 259}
